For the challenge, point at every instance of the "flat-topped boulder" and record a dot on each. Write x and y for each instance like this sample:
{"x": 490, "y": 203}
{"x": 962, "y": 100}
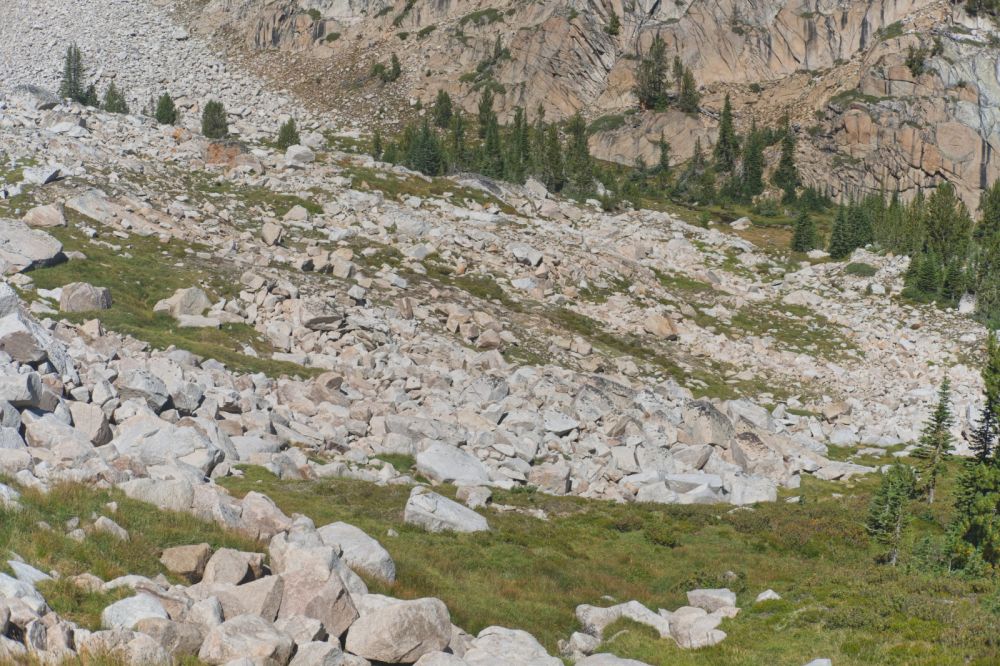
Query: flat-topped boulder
{"x": 23, "y": 248}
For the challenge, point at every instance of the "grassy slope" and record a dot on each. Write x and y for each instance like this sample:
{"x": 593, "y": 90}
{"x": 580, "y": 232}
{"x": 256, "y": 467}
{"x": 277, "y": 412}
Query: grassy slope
{"x": 146, "y": 271}
{"x": 150, "y": 530}
{"x": 837, "y": 602}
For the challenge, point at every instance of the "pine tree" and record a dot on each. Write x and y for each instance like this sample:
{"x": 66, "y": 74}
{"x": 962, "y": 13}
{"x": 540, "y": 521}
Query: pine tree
{"x": 786, "y": 175}
{"x": 166, "y": 112}
{"x": 804, "y": 236}
{"x": 459, "y": 154}
{"x": 928, "y": 280}
{"x": 579, "y": 169}
{"x": 677, "y": 71}
{"x": 552, "y": 161}
{"x": 689, "y": 100}
{"x": 114, "y": 101}
{"x": 442, "y": 110}
{"x": 377, "y": 144}
{"x": 936, "y": 443}
{"x": 487, "y": 116}
{"x": 752, "y": 178}
{"x": 492, "y": 156}
{"x": 663, "y": 162}
{"x": 288, "y": 134}
{"x": 651, "y": 76}
{"x": 888, "y": 512}
{"x": 71, "y": 86}
{"x": 214, "y": 124}
{"x": 983, "y": 438}
{"x": 424, "y": 152}
{"x": 90, "y": 97}
{"x": 840, "y": 236}
{"x": 954, "y": 282}
{"x": 975, "y": 532}
{"x": 859, "y": 226}
{"x": 519, "y": 148}
{"x": 726, "y": 147}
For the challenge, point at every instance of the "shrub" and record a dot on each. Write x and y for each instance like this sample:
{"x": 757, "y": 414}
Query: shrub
{"x": 860, "y": 269}
{"x": 114, "y": 101}
{"x": 288, "y": 135}
{"x": 166, "y": 112}
{"x": 661, "y": 535}
{"x": 387, "y": 74}
{"x": 214, "y": 124}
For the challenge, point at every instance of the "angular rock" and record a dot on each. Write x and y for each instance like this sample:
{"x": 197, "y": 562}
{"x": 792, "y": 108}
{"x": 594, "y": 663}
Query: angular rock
{"x": 445, "y": 463}
{"x": 246, "y": 637}
{"x": 187, "y": 561}
{"x": 127, "y": 613}
{"x": 84, "y": 297}
{"x": 401, "y": 632}
{"x": 439, "y": 514}
{"x": 360, "y": 551}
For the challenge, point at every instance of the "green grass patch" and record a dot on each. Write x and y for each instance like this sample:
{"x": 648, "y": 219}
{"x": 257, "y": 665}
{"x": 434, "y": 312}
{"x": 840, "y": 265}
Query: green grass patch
{"x": 606, "y": 123}
{"x": 859, "y": 269}
{"x": 793, "y": 328}
{"x": 150, "y": 531}
{"x": 531, "y": 574}
{"x": 481, "y": 17}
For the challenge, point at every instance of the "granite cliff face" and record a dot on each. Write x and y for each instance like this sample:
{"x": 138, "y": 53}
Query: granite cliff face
{"x": 865, "y": 120}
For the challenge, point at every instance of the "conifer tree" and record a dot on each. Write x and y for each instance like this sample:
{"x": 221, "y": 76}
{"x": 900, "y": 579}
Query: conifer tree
{"x": 752, "y": 178}
{"x": 214, "y": 123}
{"x": 71, "y": 86}
{"x": 552, "y": 161}
{"x": 288, "y": 134}
{"x": 840, "y": 236}
{"x": 928, "y": 280}
{"x": 888, "y": 512}
{"x": 689, "y": 99}
{"x": 90, "y": 97}
{"x": 377, "y": 144}
{"x": 786, "y": 175}
{"x": 424, "y": 152}
{"x": 651, "y": 76}
{"x": 859, "y": 225}
{"x": 459, "y": 154}
{"x": 663, "y": 162}
{"x": 166, "y": 112}
{"x": 579, "y": 170}
{"x": 442, "y": 110}
{"x": 486, "y": 116}
{"x": 975, "y": 532}
{"x": 804, "y": 236}
{"x": 936, "y": 443}
{"x": 726, "y": 147}
{"x": 114, "y": 101}
{"x": 983, "y": 441}
{"x": 492, "y": 156}
{"x": 677, "y": 71}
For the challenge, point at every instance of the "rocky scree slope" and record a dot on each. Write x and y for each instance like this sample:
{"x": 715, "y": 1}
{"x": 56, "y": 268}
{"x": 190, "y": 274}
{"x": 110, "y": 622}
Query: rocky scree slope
{"x": 362, "y": 284}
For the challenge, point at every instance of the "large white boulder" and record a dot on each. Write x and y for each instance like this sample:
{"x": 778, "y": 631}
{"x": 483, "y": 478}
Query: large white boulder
{"x": 439, "y": 514}
{"x": 401, "y": 632}
{"x": 445, "y": 463}
{"x": 360, "y": 551}
{"x": 127, "y": 613}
